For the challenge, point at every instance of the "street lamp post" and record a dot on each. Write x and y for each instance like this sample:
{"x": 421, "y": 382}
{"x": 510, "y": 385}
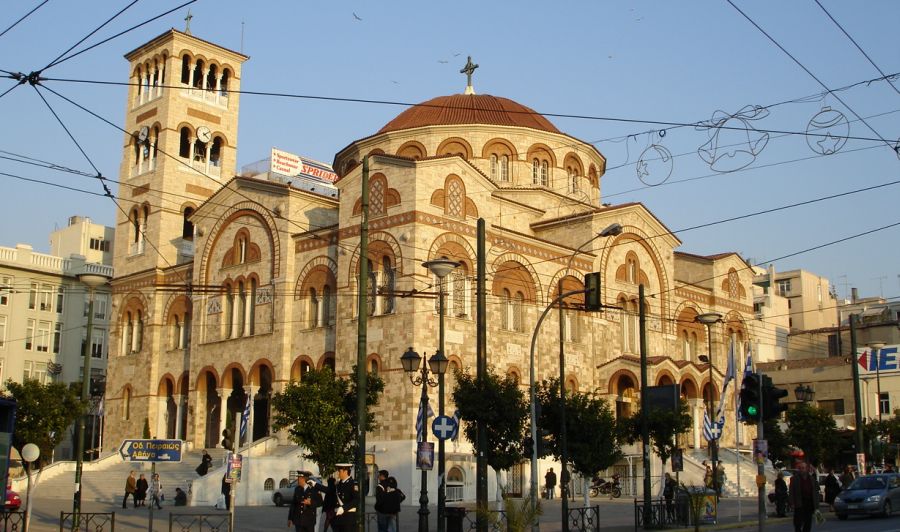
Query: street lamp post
{"x": 441, "y": 268}
{"x": 876, "y": 348}
{"x": 804, "y": 393}
{"x": 30, "y": 453}
{"x": 708, "y": 319}
{"x": 92, "y": 281}
{"x": 418, "y": 375}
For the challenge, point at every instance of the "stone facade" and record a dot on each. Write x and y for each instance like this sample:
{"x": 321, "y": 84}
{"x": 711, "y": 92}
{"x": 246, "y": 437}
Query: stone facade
{"x": 270, "y": 287}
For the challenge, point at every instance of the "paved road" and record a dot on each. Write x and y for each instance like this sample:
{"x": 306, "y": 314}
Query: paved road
{"x": 617, "y": 516}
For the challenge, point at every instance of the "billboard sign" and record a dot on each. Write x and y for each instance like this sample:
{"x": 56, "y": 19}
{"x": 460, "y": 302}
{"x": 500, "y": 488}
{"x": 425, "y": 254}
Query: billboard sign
{"x": 886, "y": 361}
{"x": 289, "y": 164}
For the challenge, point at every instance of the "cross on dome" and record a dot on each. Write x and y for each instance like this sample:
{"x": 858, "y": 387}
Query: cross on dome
{"x": 187, "y": 22}
{"x": 468, "y": 70}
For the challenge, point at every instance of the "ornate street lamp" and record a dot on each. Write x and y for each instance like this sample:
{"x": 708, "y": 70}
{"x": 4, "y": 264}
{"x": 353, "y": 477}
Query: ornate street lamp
{"x": 708, "y": 319}
{"x": 441, "y": 268}
{"x": 418, "y": 372}
{"x": 804, "y": 393}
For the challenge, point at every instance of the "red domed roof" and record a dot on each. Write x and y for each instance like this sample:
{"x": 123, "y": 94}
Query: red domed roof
{"x": 469, "y": 109}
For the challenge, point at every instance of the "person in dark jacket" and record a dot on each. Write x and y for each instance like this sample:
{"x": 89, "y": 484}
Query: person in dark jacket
{"x": 393, "y": 499}
{"x": 329, "y": 502}
{"x": 669, "y": 495}
{"x": 381, "y": 490}
{"x": 140, "y": 492}
{"x": 803, "y": 498}
{"x": 306, "y": 499}
{"x": 205, "y": 462}
{"x": 781, "y": 495}
{"x": 180, "y": 497}
{"x": 832, "y": 487}
{"x": 550, "y": 483}
{"x": 226, "y": 491}
{"x": 347, "y": 491}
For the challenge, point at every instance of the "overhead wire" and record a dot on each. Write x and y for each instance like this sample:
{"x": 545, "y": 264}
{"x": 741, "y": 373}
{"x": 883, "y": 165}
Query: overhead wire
{"x": 86, "y": 37}
{"x": 23, "y": 17}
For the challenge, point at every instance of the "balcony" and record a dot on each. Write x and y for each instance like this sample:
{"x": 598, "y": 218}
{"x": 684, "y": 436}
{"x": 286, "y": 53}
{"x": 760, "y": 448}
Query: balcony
{"x": 210, "y": 96}
{"x": 145, "y": 166}
{"x": 185, "y": 251}
{"x": 211, "y": 169}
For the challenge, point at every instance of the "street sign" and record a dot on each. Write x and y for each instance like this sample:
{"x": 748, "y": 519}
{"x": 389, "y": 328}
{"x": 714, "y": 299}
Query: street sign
{"x": 151, "y": 450}
{"x": 443, "y": 427}
{"x": 235, "y": 463}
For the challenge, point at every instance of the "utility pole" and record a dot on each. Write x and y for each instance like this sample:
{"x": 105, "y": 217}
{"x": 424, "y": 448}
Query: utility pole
{"x": 761, "y": 465}
{"x": 361, "y": 332}
{"x": 645, "y": 427}
{"x": 481, "y": 485}
{"x": 563, "y": 443}
{"x": 857, "y": 403}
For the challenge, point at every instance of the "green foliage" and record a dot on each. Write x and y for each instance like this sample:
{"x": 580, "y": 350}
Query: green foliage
{"x": 319, "y": 413}
{"x": 146, "y": 433}
{"x": 779, "y": 446}
{"x": 591, "y": 429}
{"x": 663, "y": 426}
{"x": 813, "y": 430}
{"x": 520, "y": 515}
{"x": 43, "y": 413}
{"x": 500, "y": 406}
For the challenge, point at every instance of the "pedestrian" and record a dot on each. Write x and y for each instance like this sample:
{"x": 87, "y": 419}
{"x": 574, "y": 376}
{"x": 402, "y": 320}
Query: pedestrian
{"x": 781, "y": 495}
{"x": 720, "y": 478}
{"x": 140, "y": 494}
{"x": 302, "y": 514}
{"x": 329, "y": 503}
{"x": 382, "y": 517}
{"x": 155, "y": 491}
{"x": 180, "y": 497}
{"x": 832, "y": 487}
{"x": 205, "y": 462}
{"x": 395, "y": 498}
{"x": 564, "y": 486}
{"x": 803, "y": 498}
{"x": 347, "y": 492}
{"x": 669, "y": 496}
{"x": 550, "y": 483}
{"x": 130, "y": 488}
{"x": 847, "y": 478}
{"x": 708, "y": 475}
{"x": 226, "y": 491}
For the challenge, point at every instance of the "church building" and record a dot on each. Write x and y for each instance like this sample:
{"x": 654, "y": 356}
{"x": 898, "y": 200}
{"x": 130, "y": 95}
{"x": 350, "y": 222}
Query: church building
{"x": 228, "y": 286}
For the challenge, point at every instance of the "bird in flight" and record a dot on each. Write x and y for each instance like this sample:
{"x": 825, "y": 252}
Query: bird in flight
{"x": 356, "y": 16}
{"x": 457, "y": 54}
{"x": 443, "y": 62}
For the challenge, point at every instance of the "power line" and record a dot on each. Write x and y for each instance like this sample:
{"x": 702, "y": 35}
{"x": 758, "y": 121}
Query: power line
{"x": 66, "y": 129}
{"x": 14, "y": 24}
{"x": 858, "y": 47}
{"x": 86, "y": 37}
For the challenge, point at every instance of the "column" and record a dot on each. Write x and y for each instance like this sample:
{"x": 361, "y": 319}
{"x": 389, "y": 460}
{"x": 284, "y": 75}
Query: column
{"x": 249, "y": 390}
{"x": 180, "y": 403}
{"x": 193, "y": 69}
{"x": 223, "y": 409}
{"x": 162, "y": 416}
{"x": 696, "y": 406}
{"x": 219, "y": 85}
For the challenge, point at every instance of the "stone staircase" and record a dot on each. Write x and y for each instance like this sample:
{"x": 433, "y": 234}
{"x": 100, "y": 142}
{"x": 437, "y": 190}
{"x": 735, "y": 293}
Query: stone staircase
{"x": 730, "y": 461}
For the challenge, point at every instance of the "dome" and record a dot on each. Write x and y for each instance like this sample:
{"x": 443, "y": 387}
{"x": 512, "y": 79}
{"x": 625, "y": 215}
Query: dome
{"x": 460, "y": 109}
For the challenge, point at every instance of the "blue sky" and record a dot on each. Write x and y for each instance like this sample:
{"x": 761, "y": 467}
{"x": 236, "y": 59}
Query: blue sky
{"x": 677, "y": 62}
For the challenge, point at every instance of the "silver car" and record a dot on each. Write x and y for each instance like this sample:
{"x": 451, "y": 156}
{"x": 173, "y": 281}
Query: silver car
{"x": 869, "y": 495}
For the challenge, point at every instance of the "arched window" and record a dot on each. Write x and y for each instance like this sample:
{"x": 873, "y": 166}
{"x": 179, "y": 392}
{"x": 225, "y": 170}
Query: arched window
{"x": 136, "y": 226}
{"x": 211, "y": 77}
{"x": 137, "y": 152}
{"x": 328, "y": 305}
{"x": 455, "y": 484}
{"x": 240, "y": 311}
{"x": 685, "y": 345}
{"x": 186, "y": 69}
{"x": 459, "y": 291}
{"x": 127, "y": 333}
{"x": 187, "y": 227}
{"x": 506, "y": 319}
{"x": 138, "y": 339}
{"x": 372, "y": 289}
{"x": 545, "y": 173}
{"x": 519, "y": 312}
{"x": 223, "y": 85}
{"x": 495, "y": 171}
{"x": 329, "y": 363}
{"x": 373, "y": 366}
{"x": 387, "y": 286}
{"x": 199, "y": 151}
{"x": 126, "y": 404}
{"x": 184, "y": 144}
{"x": 693, "y": 346}
{"x": 175, "y": 339}
{"x": 269, "y": 485}
{"x": 315, "y": 317}
{"x": 535, "y": 172}
{"x": 215, "y": 152}
{"x": 229, "y": 311}
{"x": 198, "y": 75}
{"x": 304, "y": 369}
{"x": 284, "y": 483}
{"x": 504, "y": 168}
{"x": 573, "y": 180}
{"x": 155, "y": 147}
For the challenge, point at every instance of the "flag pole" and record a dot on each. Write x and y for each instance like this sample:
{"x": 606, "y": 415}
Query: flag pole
{"x": 737, "y": 442}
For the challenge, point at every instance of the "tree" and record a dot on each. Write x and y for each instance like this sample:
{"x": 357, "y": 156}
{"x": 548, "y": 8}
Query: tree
{"x": 319, "y": 413}
{"x": 500, "y": 406}
{"x": 43, "y": 413}
{"x": 813, "y": 430}
{"x": 591, "y": 433}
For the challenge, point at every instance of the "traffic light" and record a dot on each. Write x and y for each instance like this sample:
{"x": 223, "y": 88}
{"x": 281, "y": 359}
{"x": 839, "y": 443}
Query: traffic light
{"x": 772, "y": 408}
{"x": 750, "y": 399}
{"x": 592, "y": 291}
{"x": 227, "y": 441}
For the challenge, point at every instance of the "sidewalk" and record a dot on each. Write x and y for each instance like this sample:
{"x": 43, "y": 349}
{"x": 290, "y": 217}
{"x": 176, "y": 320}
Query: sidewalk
{"x": 616, "y": 515}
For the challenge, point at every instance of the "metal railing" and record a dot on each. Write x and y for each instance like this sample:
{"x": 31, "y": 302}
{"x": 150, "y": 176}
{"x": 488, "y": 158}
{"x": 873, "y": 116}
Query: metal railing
{"x": 584, "y": 519}
{"x": 12, "y": 520}
{"x": 217, "y": 522}
{"x": 663, "y": 514}
{"x": 496, "y": 523}
{"x": 88, "y": 522}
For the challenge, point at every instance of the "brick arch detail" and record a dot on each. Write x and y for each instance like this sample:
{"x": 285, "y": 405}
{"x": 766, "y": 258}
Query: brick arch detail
{"x": 613, "y": 383}
{"x": 638, "y": 236}
{"x": 452, "y": 238}
{"x": 172, "y": 301}
{"x": 665, "y": 373}
{"x": 183, "y": 378}
{"x": 455, "y": 140}
{"x": 377, "y": 358}
{"x": 541, "y": 147}
{"x": 570, "y": 281}
{"x": 379, "y": 236}
{"x": 529, "y": 268}
{"x": 226, "y": 373}
{"x": 688, "y": 379}
{"x": 160, "y": 387}
{"x": 244, "y": 208}
{"x": 295, "y": 366}
{"x": 142, "y": 299}
{"x": 325, "y": 356}
{"x": 208, "y": 369}
{"x": 254, "y": 370}
{"x": 313, "y": 264}
{"x": 412, "y": 145}
{"x": 486, "y": 150}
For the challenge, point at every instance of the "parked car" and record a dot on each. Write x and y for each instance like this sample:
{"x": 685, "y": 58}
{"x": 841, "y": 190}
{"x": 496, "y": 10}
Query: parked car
{"x": 13, "y": 501}
{"x": 283, "y": 496}
{"x": 869, "y": 495}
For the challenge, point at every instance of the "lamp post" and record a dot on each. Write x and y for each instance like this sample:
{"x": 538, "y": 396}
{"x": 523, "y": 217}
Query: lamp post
{"x": 708, "y": 319}
{"x": 804, "y": 393}
{"x": 92, "y": 281}
{"x": 418, "y": 375}
{"x": 611, "y": 230}
{"x": 30, "y": 453}
{"x": 441, "y": 268}
{"x": 876, "y": 347}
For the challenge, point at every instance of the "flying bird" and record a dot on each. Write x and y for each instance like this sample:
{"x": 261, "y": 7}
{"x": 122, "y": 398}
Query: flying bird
{"x": 441, "y": 61}
{"x": 457, "y": 54}
{"x": 356, "y": 16}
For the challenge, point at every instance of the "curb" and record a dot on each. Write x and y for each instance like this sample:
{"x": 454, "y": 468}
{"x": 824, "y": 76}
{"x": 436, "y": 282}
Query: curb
{"x": 732, "y": 526}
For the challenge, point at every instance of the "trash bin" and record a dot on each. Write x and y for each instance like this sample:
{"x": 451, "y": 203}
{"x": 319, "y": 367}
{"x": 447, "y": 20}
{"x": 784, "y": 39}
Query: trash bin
{"x": 455, "y": 516}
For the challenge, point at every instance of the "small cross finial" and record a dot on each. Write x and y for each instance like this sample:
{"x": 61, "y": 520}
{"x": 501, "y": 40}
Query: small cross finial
{"x": 187, "y": 22}
{"x": 468, "y": 70}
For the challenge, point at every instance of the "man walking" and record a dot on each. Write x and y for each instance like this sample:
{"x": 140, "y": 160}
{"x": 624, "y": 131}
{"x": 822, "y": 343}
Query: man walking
{"x": 382, "y": 516}
{"x": 550, "y": 483}
{"x": 130, "y": 488}
{"x": 302, "y": 514}
{"x": 803, "y": 498}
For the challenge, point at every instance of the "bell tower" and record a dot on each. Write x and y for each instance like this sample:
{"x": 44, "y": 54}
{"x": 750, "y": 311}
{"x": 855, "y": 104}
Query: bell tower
{"x": 182, "y": 119}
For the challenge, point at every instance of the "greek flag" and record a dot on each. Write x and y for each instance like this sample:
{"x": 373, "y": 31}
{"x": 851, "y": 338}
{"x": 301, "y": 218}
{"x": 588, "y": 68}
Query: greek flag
{"x": 455, "y": 435}
{"x": 424, "y": 413}
{"x": 748, "y": 369}
{"x": 712, "y": 431}
{"x": 245, "y": 419}
{"x": 729, "y": 376}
